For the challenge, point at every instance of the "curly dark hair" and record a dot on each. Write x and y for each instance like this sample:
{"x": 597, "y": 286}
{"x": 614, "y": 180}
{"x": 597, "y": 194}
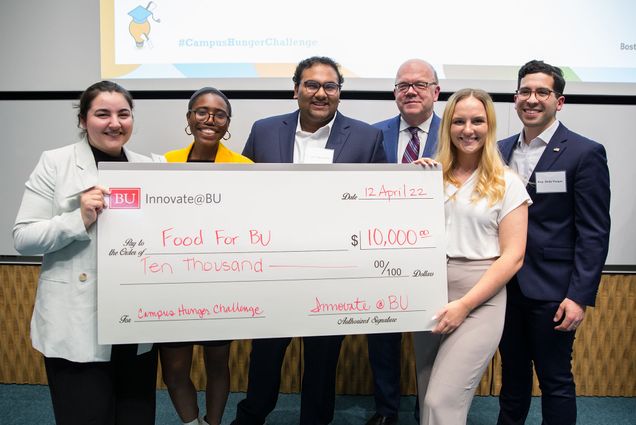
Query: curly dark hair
{"x": 537, "y": 66}
{"x": 309, "y": 62}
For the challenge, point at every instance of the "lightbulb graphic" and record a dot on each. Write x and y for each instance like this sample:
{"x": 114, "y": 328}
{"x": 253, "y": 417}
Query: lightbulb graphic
{"x": 139, "y": 27}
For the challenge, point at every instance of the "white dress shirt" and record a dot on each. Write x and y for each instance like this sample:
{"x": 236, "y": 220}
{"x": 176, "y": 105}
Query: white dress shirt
{"x": 305, "y": 141}
{"x": 526, "y": 155}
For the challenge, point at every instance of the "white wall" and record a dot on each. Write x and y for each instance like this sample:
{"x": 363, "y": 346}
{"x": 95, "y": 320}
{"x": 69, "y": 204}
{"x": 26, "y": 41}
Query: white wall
{"x": 29, "y": 127}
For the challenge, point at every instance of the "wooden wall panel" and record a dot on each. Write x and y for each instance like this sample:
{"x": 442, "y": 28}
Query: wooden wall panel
{"x": 19, "y": 362}
{"x": 604, "y": 351}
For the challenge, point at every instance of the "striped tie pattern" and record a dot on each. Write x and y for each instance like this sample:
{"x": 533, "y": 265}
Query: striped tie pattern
{"x": 412, "y": 151}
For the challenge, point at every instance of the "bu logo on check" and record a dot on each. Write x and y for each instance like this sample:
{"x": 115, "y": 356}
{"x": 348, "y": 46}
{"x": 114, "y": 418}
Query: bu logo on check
{"x": 125, "y": 197}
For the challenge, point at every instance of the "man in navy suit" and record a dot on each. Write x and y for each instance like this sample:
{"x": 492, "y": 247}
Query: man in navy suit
{"x": 416, "y": 90}
{"x": 315, "y": 133}
{"x": 568, "y": 235}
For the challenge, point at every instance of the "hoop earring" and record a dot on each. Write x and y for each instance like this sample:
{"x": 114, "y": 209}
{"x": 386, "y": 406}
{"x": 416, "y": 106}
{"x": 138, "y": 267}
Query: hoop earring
{"x": 228, "y": 134}
{"x": 187, "y": 130}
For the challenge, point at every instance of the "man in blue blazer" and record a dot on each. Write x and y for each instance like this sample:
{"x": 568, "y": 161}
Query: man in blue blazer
{"x": 568, "y": 235}
{"x": 315, "y": 133}
{"x": 416, "y": 90}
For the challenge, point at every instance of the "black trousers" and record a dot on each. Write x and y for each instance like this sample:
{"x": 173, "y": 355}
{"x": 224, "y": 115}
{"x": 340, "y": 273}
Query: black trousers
{"x": 385, "y": 353}
{"x": 121, "y": 391}
{"x": 318, "y": 394}
{"x": 529, "y": 338}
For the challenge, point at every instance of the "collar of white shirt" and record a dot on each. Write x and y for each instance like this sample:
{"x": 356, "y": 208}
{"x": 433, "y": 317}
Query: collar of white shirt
{"x": 544, "y": 137}
{"x": 425, "y": 126}
{"x": 318, "y": 133}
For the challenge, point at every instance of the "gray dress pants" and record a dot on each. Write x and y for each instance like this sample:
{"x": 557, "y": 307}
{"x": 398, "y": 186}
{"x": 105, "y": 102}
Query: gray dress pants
{"x": 447, "y": 381}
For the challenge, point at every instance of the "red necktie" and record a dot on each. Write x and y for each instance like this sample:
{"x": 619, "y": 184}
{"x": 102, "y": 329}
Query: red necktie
{"x": 412, "y": 151}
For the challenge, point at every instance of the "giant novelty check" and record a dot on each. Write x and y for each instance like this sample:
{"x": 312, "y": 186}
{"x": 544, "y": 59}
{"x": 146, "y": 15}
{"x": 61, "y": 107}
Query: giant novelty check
{"x": 192, "y": 252}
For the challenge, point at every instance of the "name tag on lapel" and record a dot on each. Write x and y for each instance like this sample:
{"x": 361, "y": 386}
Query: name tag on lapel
{"x": 318, "y": 156}
{"x": 550, "y": 182}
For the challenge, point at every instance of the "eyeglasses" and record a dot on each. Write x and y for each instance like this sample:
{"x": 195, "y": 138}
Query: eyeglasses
{"x": 330, "y": 88}
{"x": 540, "y": 93}
{"x": 418, "y": 86}
{"x": 218, "y": 117}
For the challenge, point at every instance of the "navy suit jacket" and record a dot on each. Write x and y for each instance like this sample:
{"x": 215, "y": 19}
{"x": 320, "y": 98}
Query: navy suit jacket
{"x": 391, "y": 130}
{"x": 568, "y": 233}
{"x": 272, "y": 140}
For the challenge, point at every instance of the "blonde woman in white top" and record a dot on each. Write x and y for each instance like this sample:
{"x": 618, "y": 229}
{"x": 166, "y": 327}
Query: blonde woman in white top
{"x": 486, "y": 208}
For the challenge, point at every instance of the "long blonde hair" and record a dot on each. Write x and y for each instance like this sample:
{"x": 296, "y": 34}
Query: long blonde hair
{"x": 490, "y": 171}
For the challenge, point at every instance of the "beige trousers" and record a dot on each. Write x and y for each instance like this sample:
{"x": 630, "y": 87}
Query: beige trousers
{"x": 447, "y": 381}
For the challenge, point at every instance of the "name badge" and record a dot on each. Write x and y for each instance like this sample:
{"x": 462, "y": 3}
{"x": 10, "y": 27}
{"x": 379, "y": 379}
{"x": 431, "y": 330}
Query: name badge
{"x": 318, "y": 156}
{"x": 550, "y": 182}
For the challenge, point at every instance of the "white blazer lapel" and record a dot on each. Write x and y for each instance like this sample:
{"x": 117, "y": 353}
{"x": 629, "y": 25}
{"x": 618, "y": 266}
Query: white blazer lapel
{"x": 85, "y": 169}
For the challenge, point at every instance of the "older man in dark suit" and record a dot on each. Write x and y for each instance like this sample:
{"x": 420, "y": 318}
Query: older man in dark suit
{"x": 408, "y": 136}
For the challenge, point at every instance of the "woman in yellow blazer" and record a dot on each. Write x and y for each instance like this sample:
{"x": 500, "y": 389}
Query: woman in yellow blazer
{"x": 208, "y": 116}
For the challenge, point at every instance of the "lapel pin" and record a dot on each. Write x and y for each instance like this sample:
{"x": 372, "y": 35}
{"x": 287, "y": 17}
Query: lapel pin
{"x": 556, "y": 149}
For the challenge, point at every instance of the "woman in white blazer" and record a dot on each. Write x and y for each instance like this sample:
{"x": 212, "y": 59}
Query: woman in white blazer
{"x": 89, "y": 383}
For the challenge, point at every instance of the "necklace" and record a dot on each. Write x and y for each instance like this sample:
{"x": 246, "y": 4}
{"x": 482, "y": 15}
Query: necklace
{"x": 461, "y": 175}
